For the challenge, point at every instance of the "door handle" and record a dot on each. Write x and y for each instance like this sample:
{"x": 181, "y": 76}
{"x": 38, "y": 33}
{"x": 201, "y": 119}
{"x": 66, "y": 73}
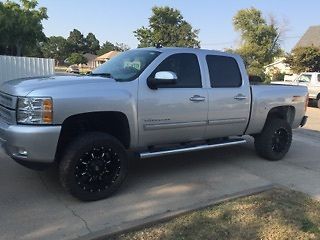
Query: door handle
{"x": 197, "y": 98}
{"x": 240, "y": 97}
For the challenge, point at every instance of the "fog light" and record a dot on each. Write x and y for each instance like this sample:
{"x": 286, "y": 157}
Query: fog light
{"x": 22, "y": 152}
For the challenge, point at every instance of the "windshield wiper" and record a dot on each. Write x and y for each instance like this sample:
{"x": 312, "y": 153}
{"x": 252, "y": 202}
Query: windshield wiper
{"x": 107, "y": 75}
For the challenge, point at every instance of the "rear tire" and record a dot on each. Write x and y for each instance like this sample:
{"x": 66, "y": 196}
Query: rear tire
{"x": 274, "y": 141}
{"x": 93, "y": 166}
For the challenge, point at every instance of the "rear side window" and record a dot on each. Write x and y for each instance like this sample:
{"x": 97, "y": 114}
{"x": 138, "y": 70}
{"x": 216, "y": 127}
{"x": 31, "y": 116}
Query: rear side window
{"x": 224, "y": 72}
{"x": 305, "y": 78}
{"x": 185, "y": 66}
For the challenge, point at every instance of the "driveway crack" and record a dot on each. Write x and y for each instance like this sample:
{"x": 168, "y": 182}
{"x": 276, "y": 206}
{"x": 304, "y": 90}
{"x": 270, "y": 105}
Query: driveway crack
{"x": 73, "y": 212}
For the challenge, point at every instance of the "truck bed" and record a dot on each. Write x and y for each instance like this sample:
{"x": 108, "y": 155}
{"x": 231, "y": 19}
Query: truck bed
{"x": 265, "y": 97}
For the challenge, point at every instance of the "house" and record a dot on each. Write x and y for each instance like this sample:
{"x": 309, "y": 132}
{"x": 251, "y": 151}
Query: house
{"x": 90, "y": 60}
{"x": 278, "y": 65}
{"x": 310, "y": 38}
{"x": 105, "y": 57}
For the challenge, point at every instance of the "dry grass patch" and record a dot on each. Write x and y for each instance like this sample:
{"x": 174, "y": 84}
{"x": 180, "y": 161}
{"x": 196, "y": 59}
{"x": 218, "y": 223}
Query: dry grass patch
{"x": 275, "y": 214}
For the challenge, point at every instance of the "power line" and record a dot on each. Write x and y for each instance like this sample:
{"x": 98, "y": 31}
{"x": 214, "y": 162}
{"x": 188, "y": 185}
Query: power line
{"x": 219, "y": 43}
{"x": 225, "y": 43}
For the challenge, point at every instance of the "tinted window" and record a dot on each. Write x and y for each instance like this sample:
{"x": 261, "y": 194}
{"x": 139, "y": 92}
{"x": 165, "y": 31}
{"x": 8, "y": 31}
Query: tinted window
{"x": 318, "y": 77}
{"x": 224, "y": 71}
{"x": 185, "y": 66}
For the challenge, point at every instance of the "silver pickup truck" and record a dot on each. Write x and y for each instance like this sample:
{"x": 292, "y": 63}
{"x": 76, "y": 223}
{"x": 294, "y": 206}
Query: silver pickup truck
{"x": 309, "y": 79}
{"x": 151, "y": 102}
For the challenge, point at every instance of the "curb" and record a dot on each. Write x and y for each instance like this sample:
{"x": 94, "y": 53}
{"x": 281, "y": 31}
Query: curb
{"x": 126, "y": 227}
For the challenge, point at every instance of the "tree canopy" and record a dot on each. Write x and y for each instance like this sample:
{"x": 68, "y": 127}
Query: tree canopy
{"x": 108, "y": 46}
{"x": 168, "y": 27}
{"x": 57, "y": 48}
{"x": 20, "y": 26}
{"x": 76, "y": 41}
{"x": 304, "y": 59}
{"x": 259, "y": 39}
{"x": 92, "y": 44}
{"x": 77, "y": 58}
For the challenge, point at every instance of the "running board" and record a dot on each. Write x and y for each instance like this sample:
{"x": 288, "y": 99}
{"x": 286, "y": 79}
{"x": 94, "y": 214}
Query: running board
{"x": 191, "y": 149}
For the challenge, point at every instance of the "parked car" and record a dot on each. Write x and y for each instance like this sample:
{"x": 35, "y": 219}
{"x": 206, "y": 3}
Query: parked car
{"x": 310, "y": 80}
{"x": 151, "y": 102}
{"x": 73, "y": 69}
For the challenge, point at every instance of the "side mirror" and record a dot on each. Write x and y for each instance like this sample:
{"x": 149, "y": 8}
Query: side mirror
{"x": 162, "y": 78}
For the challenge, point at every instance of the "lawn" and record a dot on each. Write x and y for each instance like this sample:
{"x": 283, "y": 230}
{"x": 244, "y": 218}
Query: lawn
{"x": 274, "y": 214}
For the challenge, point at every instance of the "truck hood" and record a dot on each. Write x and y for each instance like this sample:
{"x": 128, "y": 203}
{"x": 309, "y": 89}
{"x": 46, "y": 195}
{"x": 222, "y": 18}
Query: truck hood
{"x": 24, "y": 86}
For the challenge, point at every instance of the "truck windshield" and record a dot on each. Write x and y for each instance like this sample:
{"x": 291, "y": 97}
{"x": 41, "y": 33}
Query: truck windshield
{"x": 126, "y": 66}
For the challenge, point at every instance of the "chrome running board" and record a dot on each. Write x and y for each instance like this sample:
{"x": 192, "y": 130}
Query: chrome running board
{"x": 230, "y": 142}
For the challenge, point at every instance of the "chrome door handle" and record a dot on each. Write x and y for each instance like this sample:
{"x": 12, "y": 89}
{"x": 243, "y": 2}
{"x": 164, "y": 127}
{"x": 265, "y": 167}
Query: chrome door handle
{"x": 240, "y": 97}
{"x": 197, "y": 98}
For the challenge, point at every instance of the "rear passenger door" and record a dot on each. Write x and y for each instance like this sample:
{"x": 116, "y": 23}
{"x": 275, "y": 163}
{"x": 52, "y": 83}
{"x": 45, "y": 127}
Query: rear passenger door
{"x": 229, "y": 97}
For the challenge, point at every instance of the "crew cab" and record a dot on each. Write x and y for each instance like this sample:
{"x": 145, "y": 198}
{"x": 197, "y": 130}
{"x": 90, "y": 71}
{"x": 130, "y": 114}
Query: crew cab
{"x": 150, "y": 102}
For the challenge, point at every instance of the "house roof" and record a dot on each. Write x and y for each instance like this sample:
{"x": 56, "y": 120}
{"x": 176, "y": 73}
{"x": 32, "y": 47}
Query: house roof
{"x": 90, "y": 57}
{"x": 107, "y": 56}
{"x": 310, "y": 38}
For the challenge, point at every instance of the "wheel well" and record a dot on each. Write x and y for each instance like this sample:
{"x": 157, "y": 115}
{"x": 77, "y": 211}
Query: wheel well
{"x": 284, "y": 112}
{"x": 318, "y": 96}
{"x": 113, "y": 123}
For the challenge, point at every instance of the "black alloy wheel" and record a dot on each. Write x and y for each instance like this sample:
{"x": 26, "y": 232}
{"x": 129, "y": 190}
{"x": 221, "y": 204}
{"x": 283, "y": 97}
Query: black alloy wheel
{"x": 97, "y": 169}
{"x": 274, "y": 141}
{"x": 279, "y": 140}
{"x": 93, "y": 166}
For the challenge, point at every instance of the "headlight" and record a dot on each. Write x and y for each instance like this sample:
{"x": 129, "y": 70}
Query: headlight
{"x": 34, "y": 110}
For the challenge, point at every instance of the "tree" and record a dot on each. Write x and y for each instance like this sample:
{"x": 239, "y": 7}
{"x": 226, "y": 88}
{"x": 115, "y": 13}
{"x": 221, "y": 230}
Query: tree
{"x": 304, "y": 59}
{"x": 121, "y": 47}
{"x": 20, "y": 26}
{"x": 57, "y": 48}
{"x": 92, "y": 44}
{"x": 77, "y": 58}
{"x": 259, "y": 39}
{"x": 168, "y": 27}
{"x": 106, "y": 47}
{"x": 76, "y": 41}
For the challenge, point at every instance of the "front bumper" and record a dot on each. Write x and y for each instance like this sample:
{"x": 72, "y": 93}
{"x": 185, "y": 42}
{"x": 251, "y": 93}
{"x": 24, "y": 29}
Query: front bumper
{"x": 304, "y": 121}
{"x": 32, "y": 146}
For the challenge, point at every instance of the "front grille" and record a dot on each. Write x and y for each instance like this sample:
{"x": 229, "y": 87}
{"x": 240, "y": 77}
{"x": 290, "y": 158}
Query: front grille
{"x": 7, "y": 108}
{"x": 7, "y": 115}
{"x": 8, "y": 101}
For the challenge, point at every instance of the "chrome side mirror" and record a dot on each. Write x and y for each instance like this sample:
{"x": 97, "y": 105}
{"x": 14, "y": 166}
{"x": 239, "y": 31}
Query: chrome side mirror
{"x": 162, "y": 78}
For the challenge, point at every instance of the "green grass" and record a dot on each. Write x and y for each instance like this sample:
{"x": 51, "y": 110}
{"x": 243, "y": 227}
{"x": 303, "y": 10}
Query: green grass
{"x": 274, "y": 214}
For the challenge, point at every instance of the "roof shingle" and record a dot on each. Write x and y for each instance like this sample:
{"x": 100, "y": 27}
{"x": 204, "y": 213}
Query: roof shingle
{"x": 310, "y": 38}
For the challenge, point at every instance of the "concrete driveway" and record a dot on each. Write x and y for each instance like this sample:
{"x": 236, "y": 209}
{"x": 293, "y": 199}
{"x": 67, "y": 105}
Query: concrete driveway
{"x": 33, "y": 205}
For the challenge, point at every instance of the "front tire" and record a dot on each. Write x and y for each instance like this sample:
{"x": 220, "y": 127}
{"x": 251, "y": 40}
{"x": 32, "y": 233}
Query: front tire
{"x": 274, "y": 141}
{"x": 93, "y": 167}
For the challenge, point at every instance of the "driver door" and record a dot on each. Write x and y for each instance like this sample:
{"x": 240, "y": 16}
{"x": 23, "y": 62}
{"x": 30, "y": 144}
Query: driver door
{"x": 173, "y": 113}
